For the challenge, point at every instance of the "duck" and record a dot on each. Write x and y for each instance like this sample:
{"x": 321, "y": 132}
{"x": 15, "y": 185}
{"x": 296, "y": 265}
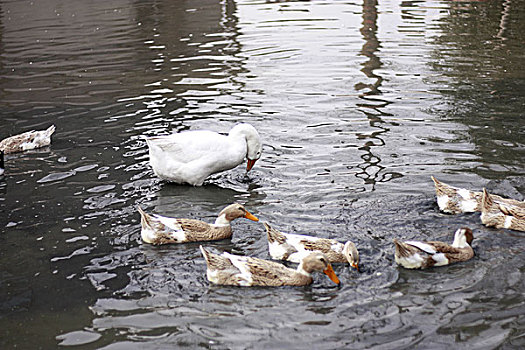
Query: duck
{"x": 236, "y": 270}
{"x": 422, "y": 255}
{"x": 190, "y": 157}
{"x": 293, "y": 247}
{"x": 27, "y": 140}
{"x": 501, "y": 215}
{"x": 2, "y": 166}
{"x": 454, "y": 200}
{"x": 157, "y": 229}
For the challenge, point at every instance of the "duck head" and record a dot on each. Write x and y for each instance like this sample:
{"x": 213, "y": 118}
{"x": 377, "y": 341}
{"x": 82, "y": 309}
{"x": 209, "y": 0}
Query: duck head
{"x": 253, "y": 142}
{"x": 318, "y": 262}
{"x": 351, "y": 254}
{"x": 235, "y": 211}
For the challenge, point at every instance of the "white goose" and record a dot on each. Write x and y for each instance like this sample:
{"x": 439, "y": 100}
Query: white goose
{"x": 191, "y": 156}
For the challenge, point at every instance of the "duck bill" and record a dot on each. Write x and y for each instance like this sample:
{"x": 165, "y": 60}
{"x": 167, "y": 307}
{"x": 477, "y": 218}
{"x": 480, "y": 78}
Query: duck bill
{"x": 329, "y": 271}
{"x": 251, "y": 162}
{"x": 250, "y": 216}
{"x": 355, "y": 266}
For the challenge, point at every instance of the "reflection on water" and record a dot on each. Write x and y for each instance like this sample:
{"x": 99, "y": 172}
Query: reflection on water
{"x": 358, "y": 104}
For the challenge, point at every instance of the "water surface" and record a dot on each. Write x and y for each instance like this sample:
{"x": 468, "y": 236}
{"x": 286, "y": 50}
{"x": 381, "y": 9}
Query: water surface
{"x": 358, "y": 104}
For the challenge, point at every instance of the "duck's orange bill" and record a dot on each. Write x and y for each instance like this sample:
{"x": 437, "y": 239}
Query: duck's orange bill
{"x": 330, "y": 273}
{"x": 250, "y": 216}
{"x": 354, "y": 265}
{"x": 251, "y": 162}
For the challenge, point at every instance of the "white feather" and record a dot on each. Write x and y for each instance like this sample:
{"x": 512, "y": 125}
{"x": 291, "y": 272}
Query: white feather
{"x": 410, "y": 262}
{"x": 423, "y": 246}
{"x": 442, "y": 202}
{"x": 240, "y": 263}
{"x": 508, "y": 221}
{"x": 440, "y": 259}
{"x": 469, "y": 203}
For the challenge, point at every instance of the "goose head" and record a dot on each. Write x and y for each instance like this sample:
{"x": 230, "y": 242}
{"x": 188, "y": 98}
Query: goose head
{"x": 351, "y": 254}
{"x": 317, "y": 261}
{"x": 463, "y": 238}
{"x": 234, "y": 211}
{"x": 253, "y": 142}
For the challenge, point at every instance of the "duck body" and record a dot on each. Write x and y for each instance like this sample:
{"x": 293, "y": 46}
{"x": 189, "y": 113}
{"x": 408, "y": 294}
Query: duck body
{"x": 27, "y": 140}
{"x": 454, "y": 200}
{"x": 294, "y": 247}
{"x": 422, "y": 255}
{"x": 501, "y": 215}
{"x": 157, "y": 229}
{"x": 235, "y": 270}
{"x": 191, "y": 156}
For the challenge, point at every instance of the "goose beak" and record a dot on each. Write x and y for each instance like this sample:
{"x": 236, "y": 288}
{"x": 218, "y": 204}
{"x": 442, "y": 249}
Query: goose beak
{"x": 250, "y": 216}
{"x": 355, "y": 266}
{"x": 330, "y": 273}
{"x": 251, "y": 162}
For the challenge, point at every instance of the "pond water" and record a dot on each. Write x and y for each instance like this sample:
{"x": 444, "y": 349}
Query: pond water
{"x": 358, "y": 104}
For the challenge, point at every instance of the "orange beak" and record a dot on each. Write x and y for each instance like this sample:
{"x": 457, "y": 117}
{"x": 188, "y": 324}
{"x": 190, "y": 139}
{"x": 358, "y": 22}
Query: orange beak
{"x": 250, "y": 216}
{"x": 330, "y": 273}
{"x": 354, "y": 265}
{"x": 251, "y": 162}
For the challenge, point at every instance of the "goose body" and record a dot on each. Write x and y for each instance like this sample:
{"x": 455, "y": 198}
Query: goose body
{"x": 293, "y": 247}
{"x": 235, "y": 270}
{"x": 157, "y": 229}
{"x": 422, "y": 255}
{"x": 191, "y": 156}
{"x": 27, "y": 140}
{"x": 501, "y": 215}
{"x": 454, "y": 200}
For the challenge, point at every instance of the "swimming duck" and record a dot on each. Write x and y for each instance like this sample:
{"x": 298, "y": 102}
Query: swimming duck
{"x": 28, "y": 140}
{"x": 454, "y": 200}
{"x": 157, "y": 229}
{"x": 421, "y": 255}
{"x": 191, "y": 156}
{"x": 501, "y": 215}
{"x": 235, "y": 270}
{"x": 292, "y": 247}
{"x": 2, "y": 166}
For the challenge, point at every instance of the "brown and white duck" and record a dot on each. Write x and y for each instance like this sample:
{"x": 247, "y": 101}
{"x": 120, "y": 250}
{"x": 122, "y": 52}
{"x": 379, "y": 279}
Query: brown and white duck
{"x": 454, "y": 200}
{"x": 28, "y": 140}
{"x": 157, "y": 229}
{"x": 422, "y": 255}
{"x": 235, "y": 270}
{"x": 293, "y": 247}
{"x": 501, "y": 215}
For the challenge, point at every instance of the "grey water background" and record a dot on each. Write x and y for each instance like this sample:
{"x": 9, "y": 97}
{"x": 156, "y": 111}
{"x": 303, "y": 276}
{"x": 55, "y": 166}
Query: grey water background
{"x": 358, "y": 104}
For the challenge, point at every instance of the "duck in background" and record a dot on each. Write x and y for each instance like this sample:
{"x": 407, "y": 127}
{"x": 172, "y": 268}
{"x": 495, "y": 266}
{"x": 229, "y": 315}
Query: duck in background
{"x": 422, "y": 255}
{"x": 501, "y": 215}
{"x": 191, "y": 156}
{"x": 235, "y": 270}
{"x": 454, "y": 200}
{"x": 292, "y": 247}
{"x": 27, "y": 140}
{"x": 157, "y": 229}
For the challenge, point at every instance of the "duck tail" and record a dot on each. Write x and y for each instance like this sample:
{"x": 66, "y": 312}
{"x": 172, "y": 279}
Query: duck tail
{"x": 401, "y": 249}
{"x": 145, "y": 219}
{"x": 50, "y": 130}
{"x": 486, "y": 201}
{"x": 273, "y": 234}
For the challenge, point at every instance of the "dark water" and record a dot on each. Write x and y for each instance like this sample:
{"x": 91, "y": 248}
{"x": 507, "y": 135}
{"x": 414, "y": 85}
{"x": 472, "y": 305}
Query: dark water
{"x": 359, "y": 103}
